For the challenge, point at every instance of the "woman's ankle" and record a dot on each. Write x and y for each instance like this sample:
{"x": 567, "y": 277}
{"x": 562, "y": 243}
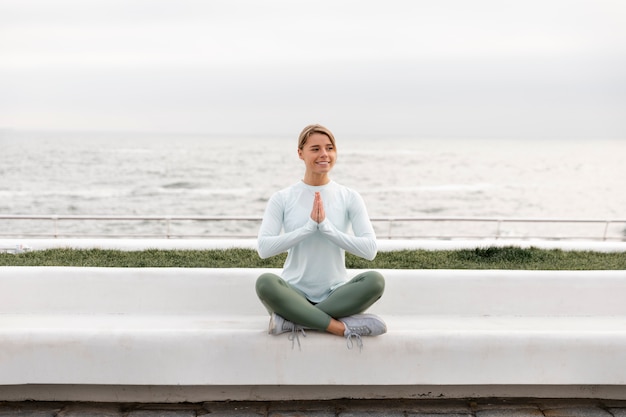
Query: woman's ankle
{"x": 336, "y": 327}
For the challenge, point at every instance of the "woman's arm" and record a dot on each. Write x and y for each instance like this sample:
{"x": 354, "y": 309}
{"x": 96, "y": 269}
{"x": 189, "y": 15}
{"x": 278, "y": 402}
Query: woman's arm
{"x": 270, "y": 241}
{"x": 363, "y": 242}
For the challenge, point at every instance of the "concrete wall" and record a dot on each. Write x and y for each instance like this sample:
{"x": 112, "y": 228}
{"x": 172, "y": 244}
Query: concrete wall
{"x": 182, "y": 333}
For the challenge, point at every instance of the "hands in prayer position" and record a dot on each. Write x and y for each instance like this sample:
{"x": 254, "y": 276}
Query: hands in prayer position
{"x": 318, "y": 214}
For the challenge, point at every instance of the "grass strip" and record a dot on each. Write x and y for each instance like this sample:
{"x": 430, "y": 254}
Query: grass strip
{"x": 481, "y": 258}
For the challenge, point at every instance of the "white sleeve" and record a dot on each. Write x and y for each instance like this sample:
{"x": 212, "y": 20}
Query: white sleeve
{"x": 363, "y": 242}
{"x": 270, "y": 241}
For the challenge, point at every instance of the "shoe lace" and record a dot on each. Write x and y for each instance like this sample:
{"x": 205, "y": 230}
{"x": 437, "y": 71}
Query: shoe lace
{"x": 357, "y": 336}
{"x": 295, "y": 336}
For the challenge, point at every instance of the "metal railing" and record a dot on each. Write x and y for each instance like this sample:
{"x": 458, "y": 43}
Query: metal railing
{"x": 604, "y": 229}
{"x": 386, "y": 227}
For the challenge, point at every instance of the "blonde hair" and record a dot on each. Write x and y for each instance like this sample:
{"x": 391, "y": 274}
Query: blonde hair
{"x": 310, "y": 129}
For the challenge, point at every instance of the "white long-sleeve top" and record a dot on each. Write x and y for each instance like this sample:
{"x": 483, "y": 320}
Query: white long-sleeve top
{"x": 316, "y": 252}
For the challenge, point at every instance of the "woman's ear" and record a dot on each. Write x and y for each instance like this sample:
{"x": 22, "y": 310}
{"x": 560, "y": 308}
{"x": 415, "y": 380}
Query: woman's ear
{"x": 300, "y": 153}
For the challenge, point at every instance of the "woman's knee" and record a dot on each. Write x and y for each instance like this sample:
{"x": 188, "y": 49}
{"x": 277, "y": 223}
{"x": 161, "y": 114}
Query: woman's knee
{"x": 376, "y": 282}
{"x": 266, "y": 283}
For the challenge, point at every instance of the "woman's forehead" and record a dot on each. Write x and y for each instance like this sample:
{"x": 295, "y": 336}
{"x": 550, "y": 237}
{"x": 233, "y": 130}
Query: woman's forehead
{"x": 318, "y": 139}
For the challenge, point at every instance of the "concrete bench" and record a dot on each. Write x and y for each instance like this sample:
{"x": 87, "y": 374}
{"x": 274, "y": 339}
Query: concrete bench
{"x": 170, "y": 334}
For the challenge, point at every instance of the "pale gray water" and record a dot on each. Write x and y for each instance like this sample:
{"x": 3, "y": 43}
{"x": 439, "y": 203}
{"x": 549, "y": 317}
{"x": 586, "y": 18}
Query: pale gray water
{"x": 198, "y": 175}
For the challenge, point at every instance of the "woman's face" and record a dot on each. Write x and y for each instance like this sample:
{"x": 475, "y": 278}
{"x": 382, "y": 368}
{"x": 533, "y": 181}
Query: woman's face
{"x": 319, "y": 154}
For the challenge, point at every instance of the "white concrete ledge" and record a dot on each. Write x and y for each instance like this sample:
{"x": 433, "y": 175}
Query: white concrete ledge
{"x": 384, "y": 245}
{"x": 171, "y": 327}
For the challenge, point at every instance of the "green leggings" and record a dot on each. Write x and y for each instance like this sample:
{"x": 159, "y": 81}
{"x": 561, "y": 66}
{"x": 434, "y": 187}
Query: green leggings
{"x": 354, "y": 297}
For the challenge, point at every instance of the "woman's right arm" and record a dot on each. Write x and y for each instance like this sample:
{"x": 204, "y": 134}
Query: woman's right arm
{"x": 270, "y": 241}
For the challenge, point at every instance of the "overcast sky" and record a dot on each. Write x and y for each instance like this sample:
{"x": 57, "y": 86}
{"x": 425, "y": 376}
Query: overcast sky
{"x": 439, "y": 68}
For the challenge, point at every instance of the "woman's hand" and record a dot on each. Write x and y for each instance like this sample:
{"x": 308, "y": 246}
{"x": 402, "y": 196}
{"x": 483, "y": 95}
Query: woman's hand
{"x": 317, "y": 214}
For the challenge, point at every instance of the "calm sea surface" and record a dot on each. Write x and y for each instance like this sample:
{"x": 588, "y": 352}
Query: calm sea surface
{"x": 130, "y": 174}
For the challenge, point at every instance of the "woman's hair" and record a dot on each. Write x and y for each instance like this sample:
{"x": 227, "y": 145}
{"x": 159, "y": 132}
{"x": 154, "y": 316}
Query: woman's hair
{"x": 310, "y": 129}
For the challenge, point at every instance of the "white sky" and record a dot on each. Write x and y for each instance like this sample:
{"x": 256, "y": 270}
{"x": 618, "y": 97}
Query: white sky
{"x": 439, "y": 68}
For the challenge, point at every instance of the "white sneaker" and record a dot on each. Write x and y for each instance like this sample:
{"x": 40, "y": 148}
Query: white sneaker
{"x": 279, "y": 325}
{"x": 362, "y": 325}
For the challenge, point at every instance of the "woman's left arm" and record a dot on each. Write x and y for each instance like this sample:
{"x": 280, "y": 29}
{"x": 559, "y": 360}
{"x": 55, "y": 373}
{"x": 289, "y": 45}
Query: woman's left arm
{"x": 363, "y": 242}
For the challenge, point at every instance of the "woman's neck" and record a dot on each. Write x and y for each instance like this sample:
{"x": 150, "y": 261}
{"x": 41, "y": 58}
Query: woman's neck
{"x": 316, "y": 180}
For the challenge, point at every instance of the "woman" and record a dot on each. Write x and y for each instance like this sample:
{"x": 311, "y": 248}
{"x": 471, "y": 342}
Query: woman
{"x": 315, "y": 215}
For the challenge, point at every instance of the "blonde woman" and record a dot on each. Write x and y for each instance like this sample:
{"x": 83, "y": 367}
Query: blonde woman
{"x": 310, "y": 221}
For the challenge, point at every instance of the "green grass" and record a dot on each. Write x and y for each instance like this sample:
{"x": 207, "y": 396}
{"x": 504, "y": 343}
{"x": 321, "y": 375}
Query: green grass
{"x": 487, "y": 258}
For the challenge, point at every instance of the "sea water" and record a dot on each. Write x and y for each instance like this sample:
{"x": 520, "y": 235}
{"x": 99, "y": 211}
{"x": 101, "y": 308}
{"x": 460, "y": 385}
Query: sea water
{"x": 202, "y": 175}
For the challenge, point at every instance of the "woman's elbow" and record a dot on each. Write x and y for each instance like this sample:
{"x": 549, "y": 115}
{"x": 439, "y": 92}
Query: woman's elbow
{"x": 261, "y": 250}
{"x": 263, "y": 254}
{"x": 372, "y": 251}
{"x": 265, "y": 249}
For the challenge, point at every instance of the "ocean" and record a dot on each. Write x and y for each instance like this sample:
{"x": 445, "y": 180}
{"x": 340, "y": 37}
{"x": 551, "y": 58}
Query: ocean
{"x": 196, "y": 175}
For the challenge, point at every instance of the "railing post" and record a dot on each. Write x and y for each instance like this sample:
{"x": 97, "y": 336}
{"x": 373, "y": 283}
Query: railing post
{"x": 498, "y": 229}
{"x": 606, "y": 229}
{"x": 55, "y": 220}
{"x": 167, "y": 223}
